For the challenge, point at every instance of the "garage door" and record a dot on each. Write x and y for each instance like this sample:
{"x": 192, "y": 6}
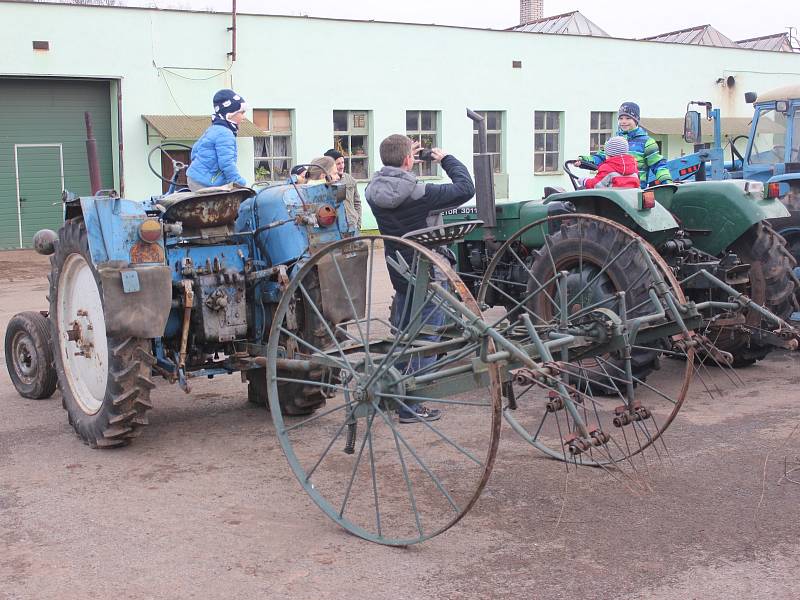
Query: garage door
{"x": 43, "y": 150}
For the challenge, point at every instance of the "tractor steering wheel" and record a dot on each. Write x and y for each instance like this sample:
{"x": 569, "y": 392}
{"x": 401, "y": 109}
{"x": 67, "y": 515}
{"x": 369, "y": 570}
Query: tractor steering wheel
{"x": 588, "y": 166}
{"x": 177, "y": 166}
{"x": 735, "y": 151}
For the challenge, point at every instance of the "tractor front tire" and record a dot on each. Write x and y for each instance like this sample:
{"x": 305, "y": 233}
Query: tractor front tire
{"x": 105, "y": 381}
{"x": 29, "y": 357}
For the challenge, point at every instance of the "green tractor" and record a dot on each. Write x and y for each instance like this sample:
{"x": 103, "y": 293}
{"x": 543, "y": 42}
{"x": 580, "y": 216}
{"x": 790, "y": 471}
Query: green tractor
{"x": 713, "y": 235}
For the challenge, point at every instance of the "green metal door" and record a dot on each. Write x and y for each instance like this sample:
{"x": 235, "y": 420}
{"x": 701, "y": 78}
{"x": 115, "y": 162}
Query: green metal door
{"x": 36, "y": 113}
{"x": 40, "y": 181}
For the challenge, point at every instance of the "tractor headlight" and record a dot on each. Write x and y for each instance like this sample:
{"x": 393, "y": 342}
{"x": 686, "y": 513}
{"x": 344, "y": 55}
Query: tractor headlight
{"x": 754, "y": 189}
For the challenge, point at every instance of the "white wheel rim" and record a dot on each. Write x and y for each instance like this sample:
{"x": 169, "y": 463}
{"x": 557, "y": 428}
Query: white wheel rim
{"x": 80, "y": 312}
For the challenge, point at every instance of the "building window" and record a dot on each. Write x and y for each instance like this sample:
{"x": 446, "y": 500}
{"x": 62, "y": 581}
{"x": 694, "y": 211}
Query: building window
{"x": 273, "y": 151}
{"x": 422, "y": 126}
{"x": 601, "y": 127}
{"x": 546, "y": 142}
{"x": 494, "y": 137}
{"x": 351, "y": 138}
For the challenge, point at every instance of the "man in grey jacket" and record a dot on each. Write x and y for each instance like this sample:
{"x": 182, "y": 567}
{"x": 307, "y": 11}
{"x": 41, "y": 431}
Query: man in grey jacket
{"x": 402, "y": 204}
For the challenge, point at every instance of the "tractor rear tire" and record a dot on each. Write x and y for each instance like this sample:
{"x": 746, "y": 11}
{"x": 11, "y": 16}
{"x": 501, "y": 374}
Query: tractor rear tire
{"x": 590, "y": 246}
{"x": 296, "y": 400}
{"x": 105, "y": 381}
{"x": 29, "y": 357}
{"x": 772, "y": 285}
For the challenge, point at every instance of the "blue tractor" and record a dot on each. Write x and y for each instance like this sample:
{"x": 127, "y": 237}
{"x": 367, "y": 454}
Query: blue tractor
{"x": 770, "y": 154}
{"x": 183, "y": 285}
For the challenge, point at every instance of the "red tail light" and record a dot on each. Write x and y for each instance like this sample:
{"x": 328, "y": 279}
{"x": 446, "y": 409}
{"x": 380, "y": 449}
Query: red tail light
{"x": 773, "y": 190}
{"x": 648, "y": 200}
{"x": 150, "y": 231}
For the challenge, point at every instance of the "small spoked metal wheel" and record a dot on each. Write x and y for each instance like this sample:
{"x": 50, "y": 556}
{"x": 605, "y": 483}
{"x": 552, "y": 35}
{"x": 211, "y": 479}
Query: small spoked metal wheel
{"x": 599, "y": 284}
{"x": 373, "y": 458}
{"x": 29, "y": 357}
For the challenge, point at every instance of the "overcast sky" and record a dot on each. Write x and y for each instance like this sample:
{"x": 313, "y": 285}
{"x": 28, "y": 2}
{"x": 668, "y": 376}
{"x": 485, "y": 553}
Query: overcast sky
{"x": 738, "y": 19}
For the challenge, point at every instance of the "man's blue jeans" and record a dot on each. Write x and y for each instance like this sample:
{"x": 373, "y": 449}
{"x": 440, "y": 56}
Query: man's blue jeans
{"x": 431, "y": 316}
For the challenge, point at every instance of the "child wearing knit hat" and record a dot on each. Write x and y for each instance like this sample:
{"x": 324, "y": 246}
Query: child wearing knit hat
{"x": 618, "y": 170}
{"x": 214, "y": 154}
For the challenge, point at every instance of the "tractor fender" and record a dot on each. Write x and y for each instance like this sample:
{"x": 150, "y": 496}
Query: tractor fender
{"x": 717, "y": 213}
{"x": 593, "y": 201}
{"x": 785, "y": 178}
{"x": 136, "y": 299}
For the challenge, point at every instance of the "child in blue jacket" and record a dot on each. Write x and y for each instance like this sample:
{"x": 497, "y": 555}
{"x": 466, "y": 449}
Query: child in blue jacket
{"x": 214, "y": 154}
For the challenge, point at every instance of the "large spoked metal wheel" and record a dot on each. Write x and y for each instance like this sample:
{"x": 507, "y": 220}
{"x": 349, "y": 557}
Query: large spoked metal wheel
{"x": 104, "y": 380}
{"x": 593, "y": 278}
{"x": 386, "y": 481}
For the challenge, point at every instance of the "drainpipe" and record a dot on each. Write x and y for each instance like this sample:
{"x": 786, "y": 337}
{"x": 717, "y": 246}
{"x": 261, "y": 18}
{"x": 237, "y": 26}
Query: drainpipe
{"x": 232, "y": 29}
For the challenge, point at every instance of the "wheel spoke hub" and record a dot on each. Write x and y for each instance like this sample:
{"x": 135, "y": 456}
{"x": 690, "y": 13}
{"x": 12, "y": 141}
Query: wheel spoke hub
{"x": 25, "y": 357}
{"x": 81, "y": 327}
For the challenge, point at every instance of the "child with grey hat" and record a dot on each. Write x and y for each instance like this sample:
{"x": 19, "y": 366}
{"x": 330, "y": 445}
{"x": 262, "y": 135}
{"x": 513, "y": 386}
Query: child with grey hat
{"x": 618, "y": 170}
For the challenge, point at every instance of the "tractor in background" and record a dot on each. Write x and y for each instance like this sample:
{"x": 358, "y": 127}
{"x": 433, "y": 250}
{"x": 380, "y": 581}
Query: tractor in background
{"x": 714, "y": 235}
{"x": 770, "y": 154}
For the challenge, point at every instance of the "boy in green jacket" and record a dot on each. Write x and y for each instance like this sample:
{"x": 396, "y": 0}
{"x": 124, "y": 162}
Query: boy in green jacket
{"x": 640, "y": 145}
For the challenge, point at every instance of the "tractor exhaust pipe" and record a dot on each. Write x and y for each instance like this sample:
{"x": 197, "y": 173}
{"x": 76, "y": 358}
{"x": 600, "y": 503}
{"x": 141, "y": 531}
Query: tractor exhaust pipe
{"x": 484, "y": 182}
{"x": 91, "y": 154}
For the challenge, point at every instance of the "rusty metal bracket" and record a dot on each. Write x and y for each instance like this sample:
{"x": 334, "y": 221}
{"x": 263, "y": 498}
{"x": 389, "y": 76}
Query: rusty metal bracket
{"x": 188, "y": 303}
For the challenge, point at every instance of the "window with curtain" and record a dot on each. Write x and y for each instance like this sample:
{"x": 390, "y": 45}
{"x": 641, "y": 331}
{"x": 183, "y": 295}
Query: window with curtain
{"x": 273, "y": 151}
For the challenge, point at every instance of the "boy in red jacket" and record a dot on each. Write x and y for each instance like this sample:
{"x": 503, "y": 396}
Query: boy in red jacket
{"x": 619, "y": 170}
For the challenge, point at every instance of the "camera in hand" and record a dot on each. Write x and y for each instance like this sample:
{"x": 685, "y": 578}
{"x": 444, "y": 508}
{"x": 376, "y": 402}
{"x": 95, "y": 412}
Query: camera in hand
{"x": 425, "y": 155}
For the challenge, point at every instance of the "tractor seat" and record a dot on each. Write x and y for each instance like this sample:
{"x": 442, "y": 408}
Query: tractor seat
{"x": 207, "y": 207}
{"x": 441, "y": 235}
{"x": 550, "y": 190}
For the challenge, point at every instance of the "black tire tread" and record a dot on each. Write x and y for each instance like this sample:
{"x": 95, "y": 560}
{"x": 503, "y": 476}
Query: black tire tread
{"x": 595, "y": 232}
{"x": 764, "y": 245}
{"x": 127, "y": 398}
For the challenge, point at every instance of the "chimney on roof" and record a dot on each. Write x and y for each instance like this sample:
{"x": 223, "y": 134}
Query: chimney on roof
{"x": 530, "y": 10}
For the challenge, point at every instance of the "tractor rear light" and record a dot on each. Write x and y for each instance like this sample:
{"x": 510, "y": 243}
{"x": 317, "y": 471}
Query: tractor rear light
{"x": 326, "y": 215}
{"x": 648, "y": 200}
{"x": 150, "y": 231}
{"x": 773, "y": 190}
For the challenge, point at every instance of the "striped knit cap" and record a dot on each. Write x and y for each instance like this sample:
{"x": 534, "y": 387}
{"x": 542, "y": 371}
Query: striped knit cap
{"x": 616, "y": 145}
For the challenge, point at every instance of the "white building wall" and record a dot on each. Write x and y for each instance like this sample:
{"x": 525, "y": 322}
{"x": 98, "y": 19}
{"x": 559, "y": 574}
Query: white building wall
{"x": 313, "y": 66}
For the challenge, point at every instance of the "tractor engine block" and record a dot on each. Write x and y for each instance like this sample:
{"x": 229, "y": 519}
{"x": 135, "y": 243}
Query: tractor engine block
{"x": 223, "y": 312}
